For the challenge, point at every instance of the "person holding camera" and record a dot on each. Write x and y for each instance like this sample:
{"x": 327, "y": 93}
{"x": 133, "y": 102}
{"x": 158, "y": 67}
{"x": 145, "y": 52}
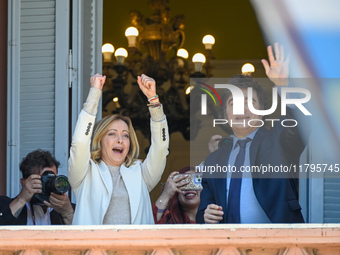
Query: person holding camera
{"x": 31, "y": 207}
{"x": 110, "y": 184}
{"x": 177, "y": 205}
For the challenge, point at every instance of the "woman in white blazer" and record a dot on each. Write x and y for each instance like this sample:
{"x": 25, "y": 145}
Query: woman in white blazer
{"x": 110, "y": 185}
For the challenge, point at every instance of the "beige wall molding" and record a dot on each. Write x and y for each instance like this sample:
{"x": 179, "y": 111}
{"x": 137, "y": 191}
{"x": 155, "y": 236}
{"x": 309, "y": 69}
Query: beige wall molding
{"x": 228, "y": 251}
{"x": 163, "y": 252}
{"x": 295, "y": 251}
{"x": 95, "y": 252}
{"x": 30, "y": 252}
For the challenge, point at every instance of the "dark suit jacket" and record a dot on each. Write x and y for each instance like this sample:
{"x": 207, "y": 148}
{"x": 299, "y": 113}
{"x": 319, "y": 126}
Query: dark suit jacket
{"x": 277, "y": 196}
{"x": 7, "y": 218}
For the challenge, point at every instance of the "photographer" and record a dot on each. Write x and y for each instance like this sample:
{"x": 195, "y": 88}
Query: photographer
{"x": 25, "y": 209}
{"x": 175, "y": 205}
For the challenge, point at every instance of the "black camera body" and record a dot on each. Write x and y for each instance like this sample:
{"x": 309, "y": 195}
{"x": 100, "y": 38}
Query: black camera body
{"x": 51, "y": 183}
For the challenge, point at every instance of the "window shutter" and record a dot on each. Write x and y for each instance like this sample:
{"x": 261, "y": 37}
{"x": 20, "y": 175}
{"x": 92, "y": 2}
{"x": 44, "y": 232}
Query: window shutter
{"x": 86, "y": 50}
{"x": 37, "y": 91}
{"x": 331, "y": 200}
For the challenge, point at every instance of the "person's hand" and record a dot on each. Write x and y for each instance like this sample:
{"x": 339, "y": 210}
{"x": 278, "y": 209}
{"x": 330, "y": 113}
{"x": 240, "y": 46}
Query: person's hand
{"x": 213, "y": 143}
{"x": 30, "y": 186}
{"x": 60, "y": 203}
{"x": 97, "y": 81}
{"x": 277, "y": 69}
{"x": 213, "y": 214}
{"x": 147, "y": 85}
{"x": 173, "y": 185}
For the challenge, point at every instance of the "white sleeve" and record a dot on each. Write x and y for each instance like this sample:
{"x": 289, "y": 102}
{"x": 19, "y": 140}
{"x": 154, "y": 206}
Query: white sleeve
{"x": 79, "y": 161}
{"x": 154, "y": 164}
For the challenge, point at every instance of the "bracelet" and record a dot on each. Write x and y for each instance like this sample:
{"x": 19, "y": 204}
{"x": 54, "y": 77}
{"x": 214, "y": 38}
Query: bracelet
{"x": 68, "y": 215}
{"x": 154, "y": 105}
{"x": 152, "y": 98}
{"x": 161, "y": 210}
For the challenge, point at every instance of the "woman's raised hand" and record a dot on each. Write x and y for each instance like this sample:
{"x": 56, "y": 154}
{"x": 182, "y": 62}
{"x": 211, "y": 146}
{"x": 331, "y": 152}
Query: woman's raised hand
{"x": 147, "y": 85}
{"x": 97, "y": 81}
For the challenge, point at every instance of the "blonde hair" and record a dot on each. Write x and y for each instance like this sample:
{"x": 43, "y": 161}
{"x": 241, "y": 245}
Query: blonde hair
{"x": 100, "y": 130}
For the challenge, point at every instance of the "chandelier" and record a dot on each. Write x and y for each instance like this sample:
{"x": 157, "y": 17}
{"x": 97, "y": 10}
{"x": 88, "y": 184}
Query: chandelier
{"x": 155, "y": 49}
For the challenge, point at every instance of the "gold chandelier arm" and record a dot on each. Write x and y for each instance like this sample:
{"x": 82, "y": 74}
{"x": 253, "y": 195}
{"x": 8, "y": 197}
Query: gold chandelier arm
{"x": 181, "y": 36}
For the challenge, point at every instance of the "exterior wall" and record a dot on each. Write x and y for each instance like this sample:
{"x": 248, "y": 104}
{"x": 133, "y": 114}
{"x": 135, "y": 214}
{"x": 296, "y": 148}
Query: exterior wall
{"x": 3, "y": 94}
{"x": 176, "y": 239}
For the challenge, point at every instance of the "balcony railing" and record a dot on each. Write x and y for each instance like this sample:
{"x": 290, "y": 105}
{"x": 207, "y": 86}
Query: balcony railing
{"x": 280, "y": 239}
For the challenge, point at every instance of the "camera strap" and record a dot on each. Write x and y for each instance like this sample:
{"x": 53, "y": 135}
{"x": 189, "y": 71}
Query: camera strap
{"x": 41, "y": 215}
{"x": 32, "y": 213}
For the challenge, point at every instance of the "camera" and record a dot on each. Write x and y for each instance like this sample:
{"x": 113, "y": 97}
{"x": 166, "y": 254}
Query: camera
{"x": 51, "y": 183}
{"x": 195, "y": 181}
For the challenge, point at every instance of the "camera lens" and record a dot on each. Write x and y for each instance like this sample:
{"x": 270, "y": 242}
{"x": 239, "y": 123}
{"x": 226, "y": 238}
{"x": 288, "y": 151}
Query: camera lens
{"x": 61, "y": 184}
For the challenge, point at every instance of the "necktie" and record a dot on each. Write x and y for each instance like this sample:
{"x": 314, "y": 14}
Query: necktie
{"x": 233, "y": 213}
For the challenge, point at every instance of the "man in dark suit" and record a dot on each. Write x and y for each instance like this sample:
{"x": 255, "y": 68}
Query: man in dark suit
{"x": 21, "y": 210}
{"x": 254, "y": 197}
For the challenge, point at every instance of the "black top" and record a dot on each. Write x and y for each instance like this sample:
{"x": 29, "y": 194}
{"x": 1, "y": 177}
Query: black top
{"x": 7, "y": 218}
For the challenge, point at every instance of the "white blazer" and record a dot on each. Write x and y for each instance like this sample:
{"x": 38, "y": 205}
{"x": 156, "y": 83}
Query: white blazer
{"x": 92, "y": 183}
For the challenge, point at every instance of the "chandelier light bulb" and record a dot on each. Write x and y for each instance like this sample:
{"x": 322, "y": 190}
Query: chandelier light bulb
{"x": 198, "y": 58}
{"x": 208, "y": 42}
{"x": 247, "y": 69}
{"x": 108, "y": 47}
{"x": 121, "y": 52}
{"x": 120, "y": 55}
{"x": 107, "y": 50}
{"x": 183, "y": 53}
{"x": 131, "y": 34}
{"x": 188, "y": 90}
{"x": 131, "y": 31}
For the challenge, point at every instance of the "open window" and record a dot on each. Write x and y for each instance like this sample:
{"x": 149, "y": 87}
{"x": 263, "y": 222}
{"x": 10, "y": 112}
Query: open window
{"x": 54, "y": 48}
